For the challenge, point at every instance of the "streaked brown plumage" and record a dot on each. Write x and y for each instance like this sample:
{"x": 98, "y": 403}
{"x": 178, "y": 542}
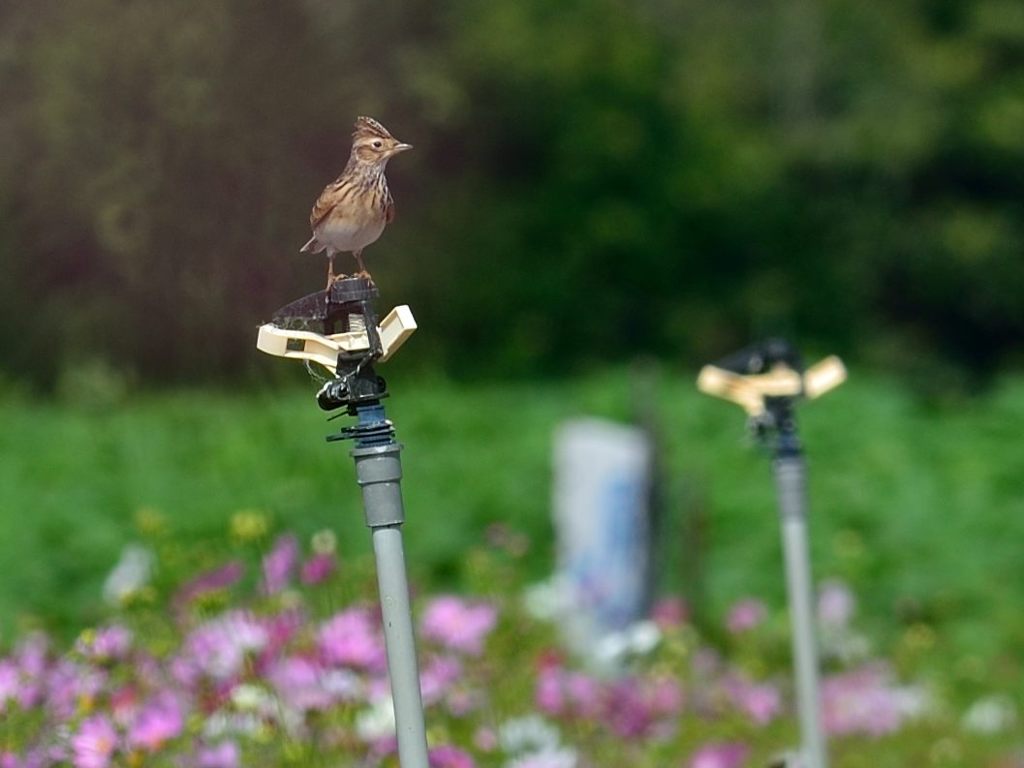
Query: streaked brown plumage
{"x": 353, "y": 210}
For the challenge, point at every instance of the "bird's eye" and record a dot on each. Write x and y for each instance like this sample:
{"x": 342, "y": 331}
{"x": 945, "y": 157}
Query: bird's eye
{"x": 378, "y": 144}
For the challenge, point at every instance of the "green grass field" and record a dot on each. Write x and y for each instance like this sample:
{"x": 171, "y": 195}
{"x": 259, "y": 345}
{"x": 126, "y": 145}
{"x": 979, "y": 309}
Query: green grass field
{"x": 921, "y": 510}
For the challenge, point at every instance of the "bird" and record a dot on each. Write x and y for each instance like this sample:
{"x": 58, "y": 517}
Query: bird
{"x": 353, "y": 210}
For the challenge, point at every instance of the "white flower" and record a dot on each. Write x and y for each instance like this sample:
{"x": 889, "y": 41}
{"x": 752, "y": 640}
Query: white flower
{"x": 642, "y": 637}
{"x": 564, "y": 757}
{"x": 377, "y": 722}
{"x": 528, "y": 734}
{"x": 610, "y": 649}
{"x": 546, "y": 600}
{"x": 638, "y": 639}
{"x": 221, "y": 724}
{"x": 991, "y": 714}
{"x": 342, "y": 684}
{"x": 132, "y": 572}
{"x": 250, "y": 697}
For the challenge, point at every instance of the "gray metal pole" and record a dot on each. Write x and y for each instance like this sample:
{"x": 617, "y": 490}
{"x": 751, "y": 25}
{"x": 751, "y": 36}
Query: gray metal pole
{"x": 790, "y": 479}
{"x": 379, "y": 473}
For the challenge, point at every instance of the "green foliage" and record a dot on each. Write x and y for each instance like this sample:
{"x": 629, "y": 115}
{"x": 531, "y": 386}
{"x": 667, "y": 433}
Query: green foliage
{"x": 589, "y": 178}
{"x": 918, "y": 509}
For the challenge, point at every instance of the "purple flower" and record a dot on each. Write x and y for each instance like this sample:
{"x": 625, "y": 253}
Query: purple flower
{"x": 745, "y": 615}
{"x": 669, "y": 612}
{"x": 559, "y": 691}
{"x": 318, "y": 568}
{"x": 227, "y": 575}
{"x": 68, "y": 683}
{"x": 299, "y": 683}
{"x": 279, "y": 564}
{"x": 761, "y": 702}
{"x": 218, "y": 648}
{"x": 861, "y": 701}
{"x": 836, "y": 604}
{"x": 10, "y": 682}
{"x": 635, "y": 709}
{"x": 30, "y": 657}
{"x": 94, "y": 743}
{"x": 438, "y": 675}
{"x": 485, "y": 739}
{"x": 450, "y": 757}
{"x": 719, "y": 755}
{"x": 159, "y": 721}
{"x": 105, "y": 644}
{"x": 549, "y": 692}
{"x": 457, "y": 624}
{"x": 351, "y": 638}
{"x": 222, "y": 755}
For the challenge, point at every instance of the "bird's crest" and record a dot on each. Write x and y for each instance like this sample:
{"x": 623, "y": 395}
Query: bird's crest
{"x": 367, "y": 126}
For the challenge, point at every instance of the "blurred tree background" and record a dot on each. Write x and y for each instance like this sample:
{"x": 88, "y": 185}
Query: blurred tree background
{"x": 591, "y": 179}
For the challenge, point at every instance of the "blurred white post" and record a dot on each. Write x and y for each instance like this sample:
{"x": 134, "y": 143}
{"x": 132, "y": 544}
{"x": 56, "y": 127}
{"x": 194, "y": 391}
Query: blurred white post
{"x": 601, "y": 489}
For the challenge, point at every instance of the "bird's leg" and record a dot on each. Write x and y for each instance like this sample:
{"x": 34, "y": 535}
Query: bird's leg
{"x": 362, "y": 267}
{"x": 330, "y": 269}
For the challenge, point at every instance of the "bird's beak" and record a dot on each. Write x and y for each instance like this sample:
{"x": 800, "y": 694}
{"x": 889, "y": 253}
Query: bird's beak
{"x": 400, "y": 148}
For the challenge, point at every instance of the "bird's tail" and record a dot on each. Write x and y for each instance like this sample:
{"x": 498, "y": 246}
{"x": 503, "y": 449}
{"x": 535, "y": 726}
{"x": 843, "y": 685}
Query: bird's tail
{"x": 313, "y": 246}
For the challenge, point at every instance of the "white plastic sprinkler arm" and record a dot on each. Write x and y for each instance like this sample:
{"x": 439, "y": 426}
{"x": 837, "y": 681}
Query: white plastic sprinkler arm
{"x": 781, "y": 381}
{"x": 393, "y": 331}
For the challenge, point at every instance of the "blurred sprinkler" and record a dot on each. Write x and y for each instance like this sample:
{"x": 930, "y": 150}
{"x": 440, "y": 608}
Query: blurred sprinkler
{"x": 768, "y": 380}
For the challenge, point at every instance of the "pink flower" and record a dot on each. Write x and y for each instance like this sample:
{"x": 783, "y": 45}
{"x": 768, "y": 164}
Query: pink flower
{"x": 9, "y": 682}
{"x": 94, "y": 743}
{"x": 861, "y": 701}
{"x": 298, "y": 683}
{"x": 318, "y": 568}
{"x": 227, "y": 575}
{"x": 669, "y": 612}
{"x": 836, "y": 604}
{"x": 159, "y": 721}
{"x": 485, "y": 739}
{"x": 106, "y": 644}
{"x": 30, "y": 657}
{"x": 761, "y": 702}
{"x": 437, "y": 677}
{"x": 719, "y": 755}
{"x": 223, "y": 755}
{"x": 638, "y": 708}
{"x": 745, "y": 615}
{"x": 352, "y": 639}
{"x": 457, "y": 624}
{"x": 279, "y": 564}
{"x": 218, "y": 649}
{"x": 549, "y": 692}
{"x": 68, "y": 683}
{"x": 559, "y": 691}
{"x": 450, "y": 757}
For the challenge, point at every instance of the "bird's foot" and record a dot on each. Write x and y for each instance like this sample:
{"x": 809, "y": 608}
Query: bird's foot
{"x": 364, "y": 274}
{"x": 332, "y": 279}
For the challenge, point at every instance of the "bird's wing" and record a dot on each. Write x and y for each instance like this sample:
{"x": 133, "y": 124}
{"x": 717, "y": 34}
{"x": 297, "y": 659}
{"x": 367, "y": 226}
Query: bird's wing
{"x": 389, "y": 212}
{"x": 332, "y": 195}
